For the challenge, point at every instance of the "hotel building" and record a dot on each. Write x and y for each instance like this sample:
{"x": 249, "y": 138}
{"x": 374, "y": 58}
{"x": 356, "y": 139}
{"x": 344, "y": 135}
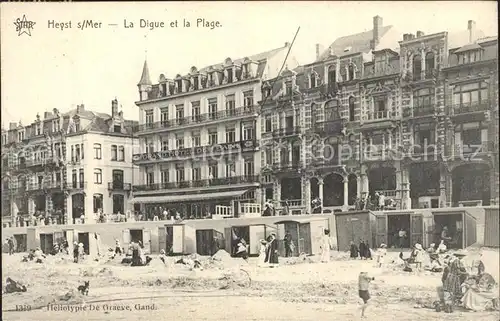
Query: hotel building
{"x": 415, "y": 119}
{"x": 199, "y": 137}
{"x": 67, "y": 165}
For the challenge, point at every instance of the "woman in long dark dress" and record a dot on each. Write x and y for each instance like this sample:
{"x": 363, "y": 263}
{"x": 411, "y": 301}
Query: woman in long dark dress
{"x": 272, "y": 250}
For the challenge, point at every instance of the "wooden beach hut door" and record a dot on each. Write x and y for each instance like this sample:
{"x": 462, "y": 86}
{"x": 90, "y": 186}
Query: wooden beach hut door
{"x": 70, "y": 237}
{"x": 126, "y": 238}
{"x": 228, "y": 238}
{"x": 417, "y": 229}
{"x": 162, "y": 239}
{"x": 381, "y": 231}
{"x": 146, "y": 241}
{"x": 305, "y": 238}
{"x": 470, "y": 226}
{"x": 257, "y": 233}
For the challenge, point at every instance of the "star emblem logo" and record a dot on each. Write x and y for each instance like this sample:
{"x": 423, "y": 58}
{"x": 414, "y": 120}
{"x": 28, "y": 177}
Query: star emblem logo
{"x": 24, "y": 26}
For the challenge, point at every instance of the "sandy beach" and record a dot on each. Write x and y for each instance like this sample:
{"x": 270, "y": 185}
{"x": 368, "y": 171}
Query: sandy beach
{"x": 225, "y": 289}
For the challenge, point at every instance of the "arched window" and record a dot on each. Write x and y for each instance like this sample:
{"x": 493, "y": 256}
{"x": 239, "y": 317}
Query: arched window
{"x": 417, "y": 67}
{"x": 351, "y": 108}
{"x": 351, "y": 71}
{"x": 332, "y": 75}
{"x": 97, "y": 176}
{"x": 97, "y": 151}
{"x": 429, "y": 62}
{"x": 332, "y": 110}
{"x": 118, "y": 204}
{"x": 98, "y": 203}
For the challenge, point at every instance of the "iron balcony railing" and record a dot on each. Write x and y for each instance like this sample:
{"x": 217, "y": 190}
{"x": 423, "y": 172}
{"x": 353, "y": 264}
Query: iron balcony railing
{"x": 40, "y": 162}
{"x": 287, "y": 131}
{"x": 207, "y": 150}
{"x": 379, "y": 72}
{"x": 196, "y": 119}
{"x": 471, "y": 107}
{"x": 75, "y": 185}
{"x": 44, "y": 185}
{"x": 119, "y": 186}
{"x": 198, "y": 183}
{"x": 379, "y": 115}
{"x": 286, "y": 164}
{"x": 330, "y": 127}
{"x": 291, "y": 203}
{"x": 427, "y": 74}
{"x": 472, "y": 149}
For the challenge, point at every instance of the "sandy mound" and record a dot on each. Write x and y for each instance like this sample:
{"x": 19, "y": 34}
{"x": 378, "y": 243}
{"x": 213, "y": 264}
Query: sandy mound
{"x": 96, "y": 272}
{"x": 222, "y": 256}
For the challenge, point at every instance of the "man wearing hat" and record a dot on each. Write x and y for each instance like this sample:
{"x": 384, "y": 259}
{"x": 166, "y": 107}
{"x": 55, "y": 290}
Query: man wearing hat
{"x": 456, "y": 275}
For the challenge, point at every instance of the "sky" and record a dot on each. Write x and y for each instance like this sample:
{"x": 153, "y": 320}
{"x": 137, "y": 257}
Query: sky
{"x": 56, "y": 68}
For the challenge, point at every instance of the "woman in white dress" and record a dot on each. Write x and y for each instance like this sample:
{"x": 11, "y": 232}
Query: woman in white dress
{"x": 326, "y": 245}
{"x": 262, "y": 253}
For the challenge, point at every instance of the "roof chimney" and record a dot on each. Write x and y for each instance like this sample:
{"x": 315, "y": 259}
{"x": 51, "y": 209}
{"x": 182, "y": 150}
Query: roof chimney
{"x": 319, "y": 49}
{"x": 420, "y": 34}
{"x": 47, "y": 114}
{"x": 471, "y": 26}
{"x": 80, "y": 108}
{"x": 114, "y": 107}
{"x": 377, "y": 31}
{"x": 12, "y": 126}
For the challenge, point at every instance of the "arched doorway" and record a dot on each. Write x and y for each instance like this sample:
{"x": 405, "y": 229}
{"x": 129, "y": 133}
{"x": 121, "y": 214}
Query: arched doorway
{"x": 333, "y": 192}
{"x": 381, "y": 179}
{"x": 471, "y": 182}
{"x": 314, "y": 187}
{"x": 78, "y": 205}
{"x": 352, "y": 189}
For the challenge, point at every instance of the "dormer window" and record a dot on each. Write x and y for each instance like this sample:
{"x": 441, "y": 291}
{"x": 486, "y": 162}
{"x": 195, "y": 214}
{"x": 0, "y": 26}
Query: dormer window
{"x": 312, "y": 80}
{"x": 210, "y": 81}
{"x": 4, "y": 139}
{"x": 164, "y": 89}
{"x": 469, "y": 56}
{"x": 117, "y": 128}
{"x": 350, "y": 72}
{"x": 56, "y": 125}
{"x": 288, "y": 88}
{"x": 332, "y": 75}
{"x": 20, "y": 136}
{"x": 229, "y": 75}
{"x": 38, "y": 129}
{"x": 196, "y": 82}
{"x": 179, "y": 85}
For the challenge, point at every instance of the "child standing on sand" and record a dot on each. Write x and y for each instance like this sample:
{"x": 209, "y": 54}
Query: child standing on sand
{"x": 381, "y": 253}
{"x": 363, "y": 286}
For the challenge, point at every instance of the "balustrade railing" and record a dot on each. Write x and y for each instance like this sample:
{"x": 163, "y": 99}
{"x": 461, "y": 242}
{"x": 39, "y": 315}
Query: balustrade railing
{"x": 471, "y": 107}
{"x": 199, "y": 118}
{"x": 198, "y": 183}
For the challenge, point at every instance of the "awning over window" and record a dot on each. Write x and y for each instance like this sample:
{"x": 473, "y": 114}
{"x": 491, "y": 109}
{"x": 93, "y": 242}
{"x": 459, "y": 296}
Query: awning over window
{"x": 184, "y": 198}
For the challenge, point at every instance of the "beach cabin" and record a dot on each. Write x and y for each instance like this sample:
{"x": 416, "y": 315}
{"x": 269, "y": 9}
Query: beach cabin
{"x": 137, "y": 234}
{"x": 491, "y": 223}
{"x": 462, "y": 227}
{"x": 177, "y": 238}
{"x": 45, "y": 238}
{"x": 307, "y": 233}
{"x": 209, "y": 241}
{"x": 391, "y": 222}
{"x": 356, "y": 226}
{"x": 20, "y": 241}
{"x": 251, "y": 233}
